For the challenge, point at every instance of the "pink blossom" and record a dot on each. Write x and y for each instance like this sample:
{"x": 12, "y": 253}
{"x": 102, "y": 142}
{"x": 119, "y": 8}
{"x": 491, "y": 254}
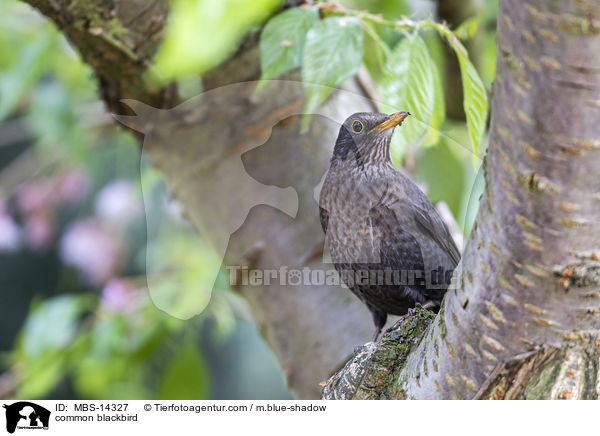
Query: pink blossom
{"x": 91, "y": 248}
{"x": 35, "y": 196}
{"x": 117, "y": 295}
{"x": 10, "y": 233}
{"x": 119, "y": 203}
{"x": 72, "y": 186}
{"x": 3, "y": 205}
{"x": 39, "y": 230}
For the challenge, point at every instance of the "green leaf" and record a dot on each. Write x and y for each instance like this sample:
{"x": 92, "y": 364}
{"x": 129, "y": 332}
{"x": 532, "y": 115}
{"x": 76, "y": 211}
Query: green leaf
{"x": 282, "y": 41}
{"x": 48, "y": 333}
{"x": 52, "y": 325}
{"x": 203, "y": 33}
{"x": 36, "y": 378}
{"x": 26, "y": 70}
{"x": 470, "y": 203}
{"x": 411, "y": 83}
{"x": 181, "y": 284}
{"x": 376, "y": 51}
{"x": 474, "y": 102}
{"x": 467, "y": 28}
{"x": 443, "y": 171}
{"x": 439, "y": 109}
{"x": 114, "y": 376}
{"x": 186, "y": 376}
{"x": 333, "y": 53}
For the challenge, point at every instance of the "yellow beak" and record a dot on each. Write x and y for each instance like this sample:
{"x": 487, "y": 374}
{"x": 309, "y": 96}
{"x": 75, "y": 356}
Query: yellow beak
{"x": 392, "y": 121}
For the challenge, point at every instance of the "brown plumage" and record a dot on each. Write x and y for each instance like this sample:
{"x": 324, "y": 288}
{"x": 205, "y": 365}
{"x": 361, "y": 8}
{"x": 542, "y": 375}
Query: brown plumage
{"x": 380, "y": 225}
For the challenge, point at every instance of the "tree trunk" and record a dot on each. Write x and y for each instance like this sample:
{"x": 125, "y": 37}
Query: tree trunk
{"x": 523, "y": 319}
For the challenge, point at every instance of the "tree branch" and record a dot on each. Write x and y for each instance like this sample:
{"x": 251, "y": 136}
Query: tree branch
{"x": 118, "y": 39}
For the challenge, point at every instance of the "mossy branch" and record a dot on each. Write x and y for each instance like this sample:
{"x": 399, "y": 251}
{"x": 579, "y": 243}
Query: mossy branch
{"x": 372, "y": 373}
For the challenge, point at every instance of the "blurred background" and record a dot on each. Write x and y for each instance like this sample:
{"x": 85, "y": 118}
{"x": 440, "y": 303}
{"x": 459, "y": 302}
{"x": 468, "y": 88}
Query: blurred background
{"x": 76, "y": 320}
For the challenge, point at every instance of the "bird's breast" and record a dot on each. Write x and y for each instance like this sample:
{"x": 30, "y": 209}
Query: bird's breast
{"x": 352, "y": 236}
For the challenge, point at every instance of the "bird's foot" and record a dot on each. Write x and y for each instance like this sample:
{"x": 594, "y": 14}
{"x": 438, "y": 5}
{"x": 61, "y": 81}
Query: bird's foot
{"x": 401, "y": 320}
{"x": 409, "y": 313}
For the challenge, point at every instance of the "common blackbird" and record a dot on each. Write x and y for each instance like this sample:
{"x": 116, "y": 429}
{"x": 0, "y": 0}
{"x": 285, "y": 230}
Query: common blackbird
{"x": 386, "y": 240}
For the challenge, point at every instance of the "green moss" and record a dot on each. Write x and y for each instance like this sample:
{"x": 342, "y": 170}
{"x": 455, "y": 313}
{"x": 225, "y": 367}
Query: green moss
{"x": 579, "y": 25}
{"x": 373, "y": 371}
{"x": 540, "y": 385}
{"x": 590, "y": 374}
{"x": 90, "y": 14}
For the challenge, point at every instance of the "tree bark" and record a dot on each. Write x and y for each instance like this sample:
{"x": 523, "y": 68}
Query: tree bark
{"x": 523, "y": 320}
{"x": 118, "y": 39}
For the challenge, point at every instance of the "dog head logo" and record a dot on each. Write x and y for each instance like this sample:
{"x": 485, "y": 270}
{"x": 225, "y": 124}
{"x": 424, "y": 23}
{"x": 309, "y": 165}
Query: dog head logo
{"x": 26, "y": 415}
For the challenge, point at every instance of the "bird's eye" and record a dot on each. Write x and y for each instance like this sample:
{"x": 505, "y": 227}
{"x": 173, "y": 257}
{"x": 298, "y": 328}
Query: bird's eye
{"x": 357, "y": 126}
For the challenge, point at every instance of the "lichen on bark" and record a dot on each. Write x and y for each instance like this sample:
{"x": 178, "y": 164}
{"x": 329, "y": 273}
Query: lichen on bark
{"x": 372, "y": 372}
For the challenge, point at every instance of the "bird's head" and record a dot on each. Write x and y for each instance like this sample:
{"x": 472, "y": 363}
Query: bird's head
{"x": 366, "y": 136}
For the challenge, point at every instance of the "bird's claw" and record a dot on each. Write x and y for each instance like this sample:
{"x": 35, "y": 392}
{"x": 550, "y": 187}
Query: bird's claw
{"x": 401, "y": 320}
{"x": 409, "y": 313}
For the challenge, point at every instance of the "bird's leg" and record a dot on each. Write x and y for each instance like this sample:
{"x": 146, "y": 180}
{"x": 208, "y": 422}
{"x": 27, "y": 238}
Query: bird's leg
{"x": 376, "y": 334}
{"x": 379, "y": 319}
{"x": 427, "y": 305}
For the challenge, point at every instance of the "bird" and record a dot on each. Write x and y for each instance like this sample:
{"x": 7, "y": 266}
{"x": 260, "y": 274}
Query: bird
{"x": 386, "y": 240}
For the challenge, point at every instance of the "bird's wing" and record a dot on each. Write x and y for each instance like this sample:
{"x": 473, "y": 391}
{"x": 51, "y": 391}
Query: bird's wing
{"x": 428, "y": 220}
{"x": 425, "y": 217}
{"x": 398, "y": 247}
{"x": 432, "y": 224}
{"x": 399, "y": 251}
